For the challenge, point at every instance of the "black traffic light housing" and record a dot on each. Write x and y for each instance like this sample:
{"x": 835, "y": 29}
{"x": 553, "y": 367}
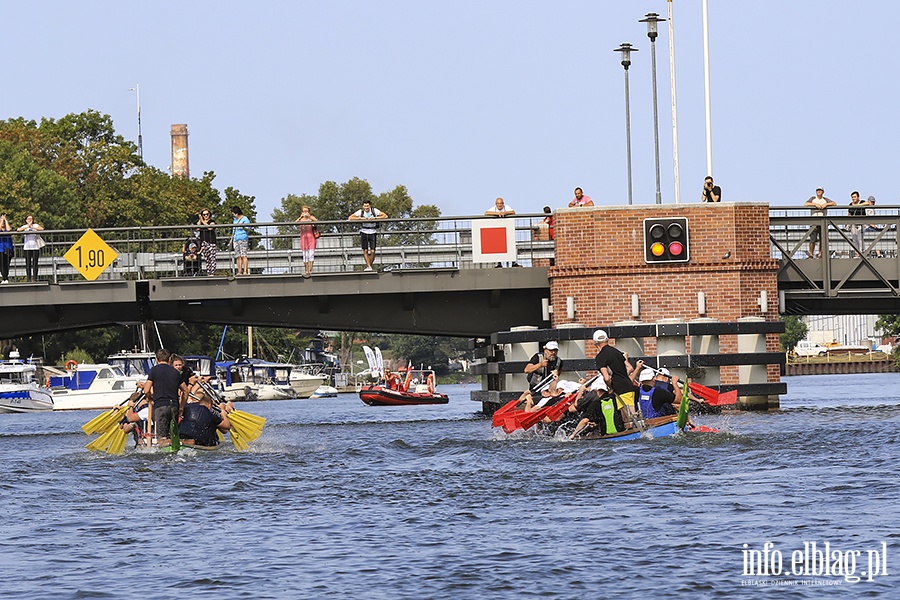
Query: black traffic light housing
{"x": 666, "y": 240}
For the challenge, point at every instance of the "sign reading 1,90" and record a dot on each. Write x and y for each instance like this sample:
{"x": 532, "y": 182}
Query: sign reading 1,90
{"x": 91, "y": 255}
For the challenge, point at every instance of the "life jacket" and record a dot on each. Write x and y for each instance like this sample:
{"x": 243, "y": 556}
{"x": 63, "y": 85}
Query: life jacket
{"x": 612, "y": 418}
{"x": 645, "y": 398}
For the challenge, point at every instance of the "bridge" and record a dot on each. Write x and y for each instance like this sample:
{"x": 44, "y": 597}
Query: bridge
{"x": 427, "y": 282}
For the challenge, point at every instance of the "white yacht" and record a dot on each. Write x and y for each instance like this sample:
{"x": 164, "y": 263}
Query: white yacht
{"x": 305, "y": 384}
{"x": 91, "y": 387}
{"x": 19, "y": 389}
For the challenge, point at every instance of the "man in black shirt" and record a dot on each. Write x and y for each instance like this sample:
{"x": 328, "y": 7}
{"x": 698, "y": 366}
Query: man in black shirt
{"x": 162, "y": 386}
{"x": 616, "y": 372}
{"x": 711, "y": 192}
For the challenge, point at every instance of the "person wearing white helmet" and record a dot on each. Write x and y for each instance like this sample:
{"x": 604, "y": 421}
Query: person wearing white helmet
{"x": 616, "y": 371}
{"x": 543, "y": 364}
{"x": 597, "y": 408}
{"x": 656, "y": 400}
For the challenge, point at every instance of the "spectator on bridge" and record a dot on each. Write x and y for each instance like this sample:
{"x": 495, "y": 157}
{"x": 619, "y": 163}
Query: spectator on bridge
{"x": 817, "y": 204}
{"x": 240, "y": 240}
{"x": 208, "y": 240}
{"x": 856, "y": 229}
{"x": 6, "y": 248}
{"x": 32, "y": 247}
{"x": 580, "y": 199}
{"x": 190, "y": 251}
{"x": 309, "y": 233}
{"x": 870, "y": 212}
{"x": 711, "y": 192}
{"x": 368, "y": 231}
{"x": 501, "y": 209}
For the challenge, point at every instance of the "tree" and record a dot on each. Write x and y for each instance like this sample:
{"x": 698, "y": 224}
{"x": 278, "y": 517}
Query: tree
{"x": 335, "y": 202}
{"x": 420, "y": 350}
{"x": 794, "y": 331}
{"x": 889, "y": 325}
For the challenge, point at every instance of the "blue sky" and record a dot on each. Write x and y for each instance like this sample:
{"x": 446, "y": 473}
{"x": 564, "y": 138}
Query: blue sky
{"x": 463, "y": 101}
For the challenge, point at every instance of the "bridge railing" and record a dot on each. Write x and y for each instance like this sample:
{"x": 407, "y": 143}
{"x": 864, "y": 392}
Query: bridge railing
{"x": 792, "y": 230}
{"x": 416, "y": 243}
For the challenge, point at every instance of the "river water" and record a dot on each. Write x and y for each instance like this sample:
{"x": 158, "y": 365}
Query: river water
{"x": 340, "y": 500}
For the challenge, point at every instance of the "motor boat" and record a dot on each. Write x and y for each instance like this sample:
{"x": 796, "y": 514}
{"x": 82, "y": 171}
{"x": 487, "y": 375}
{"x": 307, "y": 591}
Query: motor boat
{"x": 91, "y": 387}
{"x": 418, "y": 388}
{"x": 255, "y": 379}
{"x": 325, "y": 391}
{"x": 133, "y": 364}
{"x": 19, "y": 388}
{"x": 305, "y": 383}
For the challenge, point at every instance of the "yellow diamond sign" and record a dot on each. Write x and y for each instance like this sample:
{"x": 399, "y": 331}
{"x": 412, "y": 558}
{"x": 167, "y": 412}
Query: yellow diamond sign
{"x": 91, "y": 255}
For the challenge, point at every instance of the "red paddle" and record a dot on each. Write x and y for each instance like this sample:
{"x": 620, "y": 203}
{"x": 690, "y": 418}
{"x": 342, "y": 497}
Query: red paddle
{"x": 713, "y": 397}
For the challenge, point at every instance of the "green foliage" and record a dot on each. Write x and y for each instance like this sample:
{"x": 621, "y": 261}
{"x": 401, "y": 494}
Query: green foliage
{"x": 336, "y": 202}
{"x": 794, "y": 331}
{"x": 76, "y": 172}
{"x": 421, "y": 350}
{"x": 79, "y": 356}
{"x": 889, "y": 325}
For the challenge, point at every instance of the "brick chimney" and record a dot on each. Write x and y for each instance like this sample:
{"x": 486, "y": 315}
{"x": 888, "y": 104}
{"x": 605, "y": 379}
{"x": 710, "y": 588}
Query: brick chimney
{"x": 180, "y": 167}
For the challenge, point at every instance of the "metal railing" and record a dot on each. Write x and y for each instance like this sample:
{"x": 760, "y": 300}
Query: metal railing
{"x": 791, "y": 231}
{"x": 157, "y": 251}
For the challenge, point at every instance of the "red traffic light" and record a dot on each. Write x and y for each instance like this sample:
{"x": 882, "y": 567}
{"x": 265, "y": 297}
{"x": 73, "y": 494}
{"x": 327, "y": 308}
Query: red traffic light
{"x": 666, "y": 240}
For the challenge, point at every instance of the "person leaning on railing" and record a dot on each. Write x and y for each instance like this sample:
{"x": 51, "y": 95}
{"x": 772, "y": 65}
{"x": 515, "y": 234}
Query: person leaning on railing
{"x": 6, "y": 248}
{"x": 208, "y": 240}
{"x": 32, "y": 247}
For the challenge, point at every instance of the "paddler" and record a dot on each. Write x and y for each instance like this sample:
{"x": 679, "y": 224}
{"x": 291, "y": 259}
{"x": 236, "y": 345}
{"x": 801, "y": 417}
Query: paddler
{"x": 597, "y": 409}
{"x": 162, "y": 386}
{"x": 135, "y": 418}
{"x": 615, "y": 369}
{"x": 200, "y": 421}
{"x": 543, "y": 364}
{"x": 654, "y": 396}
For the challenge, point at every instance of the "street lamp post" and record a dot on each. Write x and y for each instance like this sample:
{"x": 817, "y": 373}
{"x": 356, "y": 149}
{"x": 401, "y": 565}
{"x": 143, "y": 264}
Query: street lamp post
{"x": 651, "y": 19}
{"x": 137, "y": 90}
{"x": 626, "y": 51}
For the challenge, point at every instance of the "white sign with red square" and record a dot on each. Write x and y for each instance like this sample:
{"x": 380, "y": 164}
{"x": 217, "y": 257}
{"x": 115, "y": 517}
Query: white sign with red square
{"x": 493, "y": 240}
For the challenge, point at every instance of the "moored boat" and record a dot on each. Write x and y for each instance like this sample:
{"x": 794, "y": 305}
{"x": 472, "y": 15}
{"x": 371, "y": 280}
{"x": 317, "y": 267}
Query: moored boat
{"x": 19, "y": 389}
{"x": 91, "y": 387}
{"x": 306, "y": 384}
{"x": 325, "y": 391}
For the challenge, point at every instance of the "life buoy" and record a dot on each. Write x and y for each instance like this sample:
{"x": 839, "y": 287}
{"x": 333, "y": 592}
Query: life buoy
{"x": 408, "y": 379}
{"x": 71, "y": 365}
{"x": 430, "y": 382}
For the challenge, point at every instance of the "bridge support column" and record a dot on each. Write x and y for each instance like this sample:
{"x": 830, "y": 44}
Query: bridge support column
{"x": 748, "y": 374}
{"x": 706, "y": 344}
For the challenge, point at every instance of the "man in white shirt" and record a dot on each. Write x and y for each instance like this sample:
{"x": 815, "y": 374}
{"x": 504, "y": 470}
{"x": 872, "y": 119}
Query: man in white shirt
{"x": 367, "y": 232}
{"x": 818, "y": 204}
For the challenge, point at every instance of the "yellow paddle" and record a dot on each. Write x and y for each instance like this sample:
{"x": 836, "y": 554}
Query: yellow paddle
{"x": 239, "y": 443}
{"x": 111, "y": 442}
{"x": 248, "y": 429}
{"x": 247, "y": 426}
{"x": 102, "y": 422}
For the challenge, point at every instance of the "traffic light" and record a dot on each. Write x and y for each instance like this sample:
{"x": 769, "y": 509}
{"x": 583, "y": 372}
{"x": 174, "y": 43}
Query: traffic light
{"x": 666, "y": 240}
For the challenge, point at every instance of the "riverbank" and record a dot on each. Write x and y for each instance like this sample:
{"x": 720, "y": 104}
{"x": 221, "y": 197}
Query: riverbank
{"x": 830, "y": 365}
